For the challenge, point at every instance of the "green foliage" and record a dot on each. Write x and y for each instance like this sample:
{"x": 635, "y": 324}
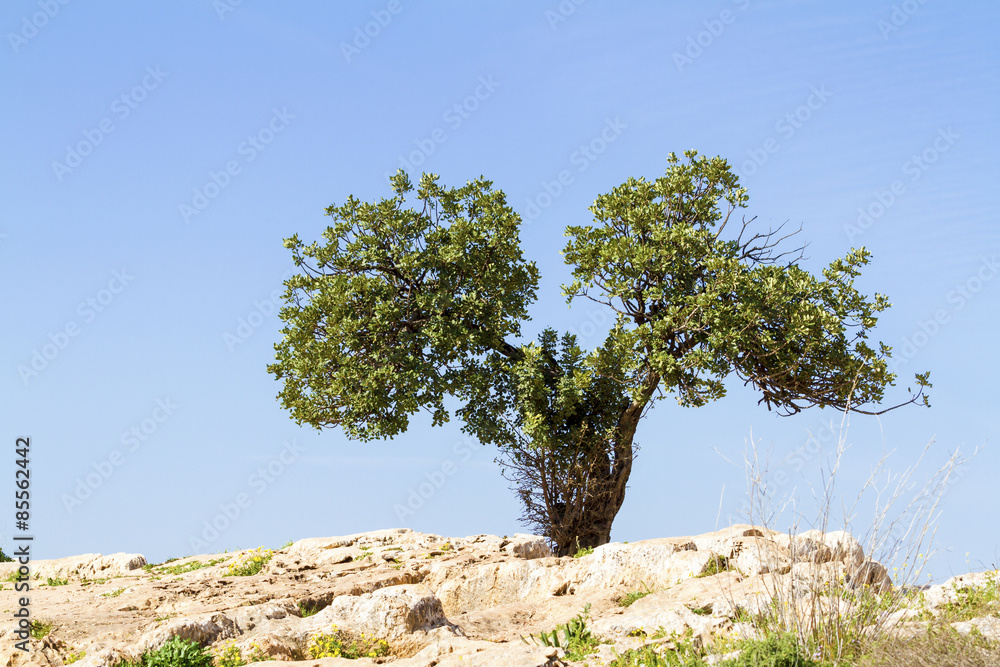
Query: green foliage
{"x": 391, "y": 314}
{"x": 398, "y": 308}
{"x": 231, "y": 656}
{"x": 175, "y": 652}
{"x": 40, "y": 628}
{"x": 250, "y": 563}
{"x": 113, "y": 594}
{"x": 74, "y": 657}
{"x": 336, "y": 645}
{"x": 635, "y": 596}
{"x": 56, "y": 581}
{"x": 718, "y": 564}
{"x": 775, "y": 650}
{"x": 310, "y": 608}
{"x": 573, "y": 636}
{"x": 190, "y": 566}
{"x": 4, "y": 558}
{"x": 974, "y": 601}
{"x": 583, "y": 551}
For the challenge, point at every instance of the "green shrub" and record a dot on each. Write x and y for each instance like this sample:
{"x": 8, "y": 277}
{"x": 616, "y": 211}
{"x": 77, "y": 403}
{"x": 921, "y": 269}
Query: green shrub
{"x": 39, "y": 629}
{"x": 176, "y": 652}
{"x": 55, "y": 581}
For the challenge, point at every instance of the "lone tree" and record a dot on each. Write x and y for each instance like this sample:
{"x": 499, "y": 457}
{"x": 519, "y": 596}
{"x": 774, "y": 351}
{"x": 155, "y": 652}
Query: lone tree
{"x": 400, "y": 308}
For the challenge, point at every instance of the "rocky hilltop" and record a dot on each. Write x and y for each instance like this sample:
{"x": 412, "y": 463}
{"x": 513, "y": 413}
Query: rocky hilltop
{"x": 429, "y": 600}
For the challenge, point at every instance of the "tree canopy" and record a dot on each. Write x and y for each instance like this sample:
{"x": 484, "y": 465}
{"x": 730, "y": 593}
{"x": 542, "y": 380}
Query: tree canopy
{"x": 401, "y": 307}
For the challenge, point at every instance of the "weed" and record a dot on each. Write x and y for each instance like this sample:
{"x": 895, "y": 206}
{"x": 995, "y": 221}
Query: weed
{"x": 56, "y": 581}
{"x": 250, "y": 563}
{"x": 113, "y": 594}
{"x": 974, "y": 601}
{"x": 635, "y": 595}
{"x": 310, "y": 609}
{"x": 231, "y": 656}
{"x": 336, "y": 645}
{"x": 183, "y": 569}
{"x": 718, "y": 564}
{"x": 583, "y": 552}
{"x": 176, "y": 652}
{"x": 576, "y": 638}
{"x": 446, "y": 546}
{"x": 39, "y": 629}
{"x": 73, "y": 657}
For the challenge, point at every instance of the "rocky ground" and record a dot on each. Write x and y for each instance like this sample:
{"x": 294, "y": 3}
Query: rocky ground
{"x": 437, "y": 601}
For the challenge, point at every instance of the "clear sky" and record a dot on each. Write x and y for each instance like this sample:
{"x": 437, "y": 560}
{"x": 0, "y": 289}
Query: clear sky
{"x": 156, "y": 156}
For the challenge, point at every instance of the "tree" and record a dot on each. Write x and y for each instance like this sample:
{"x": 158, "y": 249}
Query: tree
{"x": 400, "y": 308}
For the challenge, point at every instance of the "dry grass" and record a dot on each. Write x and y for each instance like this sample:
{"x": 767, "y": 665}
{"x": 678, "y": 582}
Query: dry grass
{"x": 842, "y": 618}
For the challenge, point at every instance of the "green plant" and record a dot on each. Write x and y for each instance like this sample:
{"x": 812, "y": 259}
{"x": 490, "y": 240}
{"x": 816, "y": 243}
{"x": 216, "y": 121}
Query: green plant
{"x": 250, "y": 563}
{"x": 973, "y": 601}
{"x": 230, "y": 656}
{"x": 650, "y": 655}
{"x": 583, "y": 551}
{"x": 285, "y": 545}
{"x": 310, "y": 608}
{"x": 446, "y": 546}
{"x": 4, "y": 558}
{"x": 717, "y": 565}
{"x": 175, "y": 652}
{"x": 775, "y": 650}
{"x": 40, "y": 628}
{"x": 575, "y": 638}
{"x": 73, "y": 657}
{"x": 113, "y": 594}
{"x": 635, "y": 595}
{"x": 56, "y": 581}
{"x": 190, "y": 566}
{"x": 337, "y": 645}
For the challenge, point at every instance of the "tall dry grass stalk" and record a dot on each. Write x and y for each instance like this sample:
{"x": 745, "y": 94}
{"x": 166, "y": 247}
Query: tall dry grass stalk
{"x": 841, "y": 608}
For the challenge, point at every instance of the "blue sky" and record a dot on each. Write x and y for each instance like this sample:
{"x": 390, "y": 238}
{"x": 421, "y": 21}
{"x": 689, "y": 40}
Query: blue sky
{"x": 156, "y": 156}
